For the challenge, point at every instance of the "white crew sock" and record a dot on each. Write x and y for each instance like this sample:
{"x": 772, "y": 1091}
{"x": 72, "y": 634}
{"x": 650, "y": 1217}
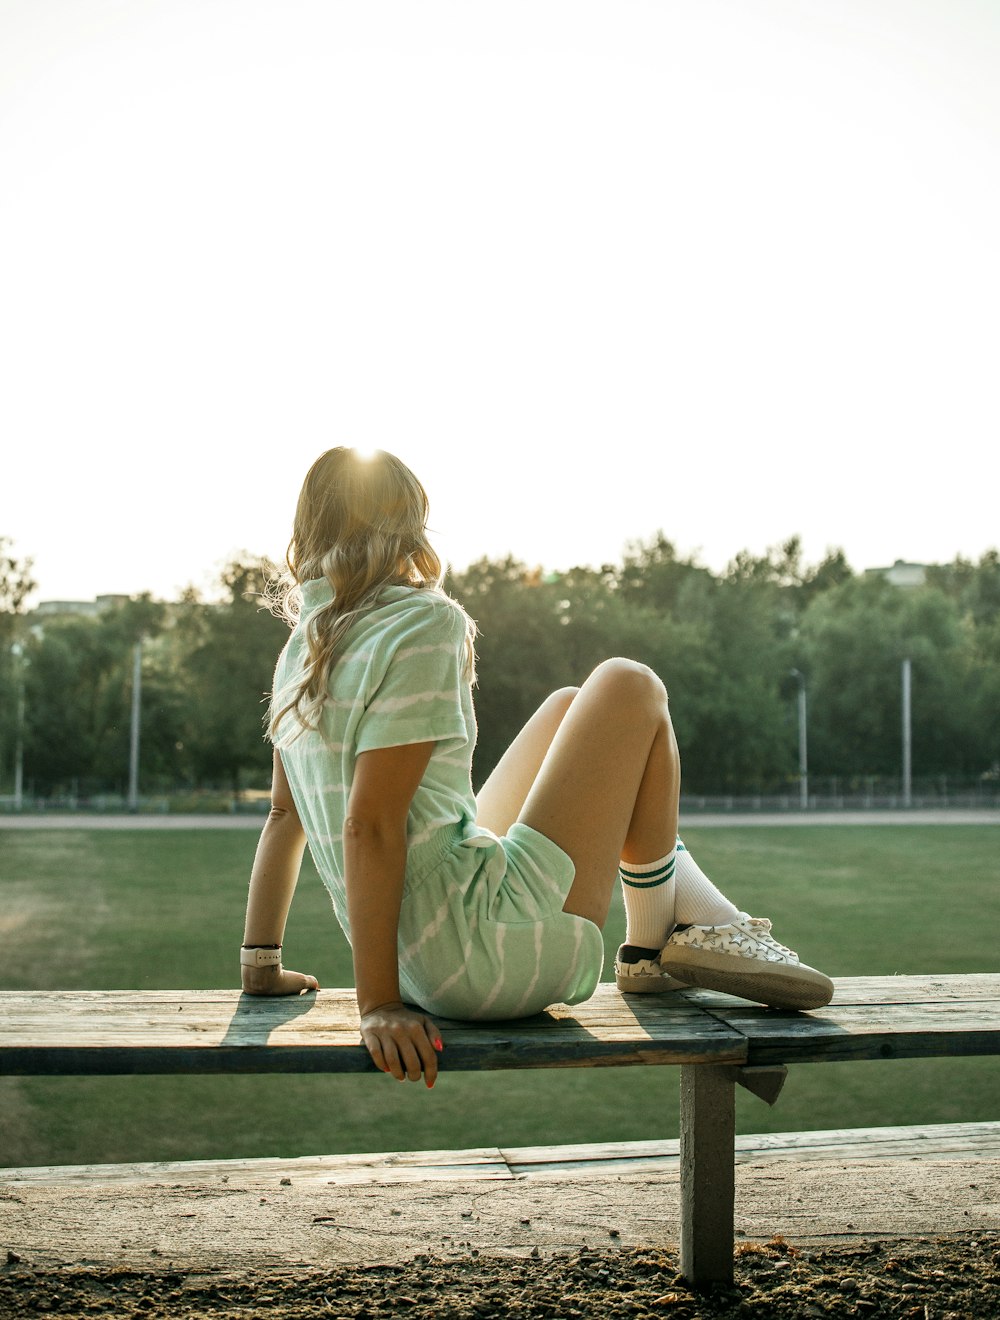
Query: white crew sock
{"x": 698, "y": 902}
{"x": 648, "y": 890}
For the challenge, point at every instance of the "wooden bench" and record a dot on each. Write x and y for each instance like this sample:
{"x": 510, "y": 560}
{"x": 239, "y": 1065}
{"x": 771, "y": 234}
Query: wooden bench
{"x": 717, "y": 1041}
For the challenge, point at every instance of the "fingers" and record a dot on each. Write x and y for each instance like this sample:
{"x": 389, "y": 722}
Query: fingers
{"x": 400, "y": 1056}
{"x": 297, "y": 983}
{"x": 374, "y": 1046}
{"x": 405, "y": 1045}
{"x": 276, "y": 981}
{"x": 433, "y": 1035}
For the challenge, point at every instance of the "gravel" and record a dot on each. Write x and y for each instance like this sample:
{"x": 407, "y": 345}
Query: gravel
{"x": 921, "y": 1279}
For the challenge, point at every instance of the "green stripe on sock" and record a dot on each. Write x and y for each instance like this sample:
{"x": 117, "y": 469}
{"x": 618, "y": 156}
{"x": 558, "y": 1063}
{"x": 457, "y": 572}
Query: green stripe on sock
{"x": 647, "y": 881}
{"x": 646, "y": 873}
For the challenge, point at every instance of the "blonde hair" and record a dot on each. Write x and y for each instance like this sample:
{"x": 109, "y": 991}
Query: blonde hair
{"x": 361, "y": 523}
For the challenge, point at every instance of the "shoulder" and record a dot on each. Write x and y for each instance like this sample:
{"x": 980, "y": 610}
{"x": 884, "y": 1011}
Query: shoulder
{"x": 413, "y": 611}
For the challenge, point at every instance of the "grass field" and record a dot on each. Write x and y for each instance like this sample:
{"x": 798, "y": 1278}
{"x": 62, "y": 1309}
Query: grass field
{"x": 164, "y": 910}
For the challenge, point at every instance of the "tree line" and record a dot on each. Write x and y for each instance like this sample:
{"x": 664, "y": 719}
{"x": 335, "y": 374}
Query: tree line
{"x": 730, "y": 647}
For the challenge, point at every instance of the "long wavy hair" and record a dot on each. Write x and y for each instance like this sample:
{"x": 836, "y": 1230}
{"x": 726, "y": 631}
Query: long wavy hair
{"x": 361, "y": 523}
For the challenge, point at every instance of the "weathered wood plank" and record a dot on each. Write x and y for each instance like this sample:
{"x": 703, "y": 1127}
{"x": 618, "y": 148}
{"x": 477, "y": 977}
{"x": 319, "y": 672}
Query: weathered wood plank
{"x": 480, "y": 1163}
{"x": 966, "y": 987}
{"x": 939, "y": 987}
{"x": 872, "y": 1018}
{"x": 864, "y": 1032}
{"x": 708, "y": 1126}
{"x": 930, "y": 1141}
{"x": 939, "y": 1141}
{"x": 122, "y": 1032}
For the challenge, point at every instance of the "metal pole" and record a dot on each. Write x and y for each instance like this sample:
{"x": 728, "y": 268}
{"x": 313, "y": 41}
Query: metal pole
{"x": 803, "y": 756}
{"x": 18, "y": 651}
{"x": 133, "y": 758}
{"x": 803, "y": 742}
{"x": 907, "y": 736}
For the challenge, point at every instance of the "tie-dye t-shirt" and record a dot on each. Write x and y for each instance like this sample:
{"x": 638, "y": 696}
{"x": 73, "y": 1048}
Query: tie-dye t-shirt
{"x": 400, "y": 680}
{"x": 482, "y": 931}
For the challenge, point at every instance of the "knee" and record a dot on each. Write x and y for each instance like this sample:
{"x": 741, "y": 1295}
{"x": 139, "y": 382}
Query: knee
{"x": 559, "y": 702}
{"x": 632, "y": 679}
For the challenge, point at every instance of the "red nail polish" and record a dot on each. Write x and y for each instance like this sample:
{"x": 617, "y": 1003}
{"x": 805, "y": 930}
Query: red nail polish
{"x": 438, "y": 1043}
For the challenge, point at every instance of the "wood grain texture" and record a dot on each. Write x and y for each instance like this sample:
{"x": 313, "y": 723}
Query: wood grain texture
{"x": 122, "y": 1032}
{"x": 708, "y": 1129}
{"x": 890, "y": 1017}
{"x": 937, "y": 1141}
{"x": 221, "y": 1031}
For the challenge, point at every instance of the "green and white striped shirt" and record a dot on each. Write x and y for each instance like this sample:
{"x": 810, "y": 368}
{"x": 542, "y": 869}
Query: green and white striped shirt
{"x": 398, "y": 680}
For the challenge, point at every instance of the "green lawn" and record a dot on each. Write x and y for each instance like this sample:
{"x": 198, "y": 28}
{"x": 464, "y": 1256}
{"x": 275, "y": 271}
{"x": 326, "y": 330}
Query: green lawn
{"x": 163, "y": 909}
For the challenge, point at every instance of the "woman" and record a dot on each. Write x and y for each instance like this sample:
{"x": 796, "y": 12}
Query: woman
{"x": 487, "y": 907}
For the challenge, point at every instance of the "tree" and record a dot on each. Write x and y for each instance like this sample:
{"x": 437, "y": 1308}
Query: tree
{"x": 976, "y": 591}
{"x": 519, "y": 657}
{"x": 653, "y": 576}
{"x": 79, "y": 691}
{"x": 855, "y": 637}
{"x": 225, "y": 655}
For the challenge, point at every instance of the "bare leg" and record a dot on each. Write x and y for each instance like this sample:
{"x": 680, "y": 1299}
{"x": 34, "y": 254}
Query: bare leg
{"x": 608, "y": 785}
{"x": 499, "y": 801}
{"x": 597, "y": 771}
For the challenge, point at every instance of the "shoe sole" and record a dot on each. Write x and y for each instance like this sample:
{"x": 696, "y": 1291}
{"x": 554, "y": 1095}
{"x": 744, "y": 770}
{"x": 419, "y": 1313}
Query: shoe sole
{"x": 778, "y": 985}
{"x": 648, "y": 985}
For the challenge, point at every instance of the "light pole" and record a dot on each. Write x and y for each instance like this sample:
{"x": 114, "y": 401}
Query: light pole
{"x": 803, "y": 745}
{"x": 133, "y": 756}
{"x": 17, "y": 651}
{"x": 907, "y": 734}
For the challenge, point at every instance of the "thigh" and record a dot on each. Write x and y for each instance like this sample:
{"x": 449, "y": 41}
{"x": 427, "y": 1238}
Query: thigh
{"x": 613, "y": 750}
{"x": 499, "y": 801}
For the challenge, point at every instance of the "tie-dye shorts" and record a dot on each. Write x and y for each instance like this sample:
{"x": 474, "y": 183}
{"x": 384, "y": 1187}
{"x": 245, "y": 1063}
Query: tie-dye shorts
{"x": 482, "y": 933}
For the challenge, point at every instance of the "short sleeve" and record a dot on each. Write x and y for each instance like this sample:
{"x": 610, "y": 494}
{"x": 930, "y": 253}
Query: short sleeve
{"x": 419, "y": 696}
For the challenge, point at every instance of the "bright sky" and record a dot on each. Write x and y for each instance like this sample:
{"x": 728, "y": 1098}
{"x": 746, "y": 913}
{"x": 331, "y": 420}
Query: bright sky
{"x": 730, "y": 268}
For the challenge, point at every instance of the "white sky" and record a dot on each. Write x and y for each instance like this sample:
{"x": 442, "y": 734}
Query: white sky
{"x": 726, "y": 267}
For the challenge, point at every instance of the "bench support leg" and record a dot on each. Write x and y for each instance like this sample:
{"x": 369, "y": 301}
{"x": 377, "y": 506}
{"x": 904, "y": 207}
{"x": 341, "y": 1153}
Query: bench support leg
{"x": 708, "y": 1134}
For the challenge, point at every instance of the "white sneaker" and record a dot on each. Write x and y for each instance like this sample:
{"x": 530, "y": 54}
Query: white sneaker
{"x": 741, "y": 958}
{"x": 638, "y": 972}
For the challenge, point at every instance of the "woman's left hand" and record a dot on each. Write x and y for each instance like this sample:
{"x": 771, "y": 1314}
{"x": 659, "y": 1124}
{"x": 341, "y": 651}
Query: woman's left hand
{"x": 276, "y": 981}
{"x": 402, "y": 1041}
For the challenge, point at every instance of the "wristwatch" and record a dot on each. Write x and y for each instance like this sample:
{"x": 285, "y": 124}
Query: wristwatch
{"x": 260, "y": 955}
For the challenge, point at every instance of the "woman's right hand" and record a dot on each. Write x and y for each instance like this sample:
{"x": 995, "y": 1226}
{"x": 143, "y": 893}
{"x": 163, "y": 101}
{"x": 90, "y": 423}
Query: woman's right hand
{"x": 276, "y": 981}
{"x": 402, "y": 1041}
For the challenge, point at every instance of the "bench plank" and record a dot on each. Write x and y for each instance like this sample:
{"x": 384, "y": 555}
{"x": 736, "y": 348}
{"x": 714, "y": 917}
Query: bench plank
{"x": 126, "y": 1032}
{"x": 939, "y": 1141}
{"x": 873, "y": 1018}
{"x": 929, "y": 1141}
{"x": 123, "y": 1032}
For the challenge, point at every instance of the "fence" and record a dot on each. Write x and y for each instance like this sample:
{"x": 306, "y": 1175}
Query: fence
{"x": 835, "y": 793}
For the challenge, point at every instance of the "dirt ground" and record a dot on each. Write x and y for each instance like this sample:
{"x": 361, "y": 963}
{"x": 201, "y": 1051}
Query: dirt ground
{"x": 916, "y": 1238}
{"x": 943, "y": 1279}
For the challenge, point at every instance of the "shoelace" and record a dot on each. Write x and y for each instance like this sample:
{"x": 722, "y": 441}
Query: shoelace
{"x": 761, "y": 927}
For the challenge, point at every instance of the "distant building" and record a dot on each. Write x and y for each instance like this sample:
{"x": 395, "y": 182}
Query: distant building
{"x": 902, "y": 574}
{"x": 47, "y": 609}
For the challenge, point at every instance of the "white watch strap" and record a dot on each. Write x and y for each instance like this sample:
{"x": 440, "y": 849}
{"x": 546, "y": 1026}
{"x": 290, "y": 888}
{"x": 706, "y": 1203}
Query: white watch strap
{"x": 260, "y": 957}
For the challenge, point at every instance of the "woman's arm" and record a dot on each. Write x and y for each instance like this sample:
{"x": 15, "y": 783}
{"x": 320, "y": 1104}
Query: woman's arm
{"x": 272, "y": 884}
{"x": 400, "y": 1040}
